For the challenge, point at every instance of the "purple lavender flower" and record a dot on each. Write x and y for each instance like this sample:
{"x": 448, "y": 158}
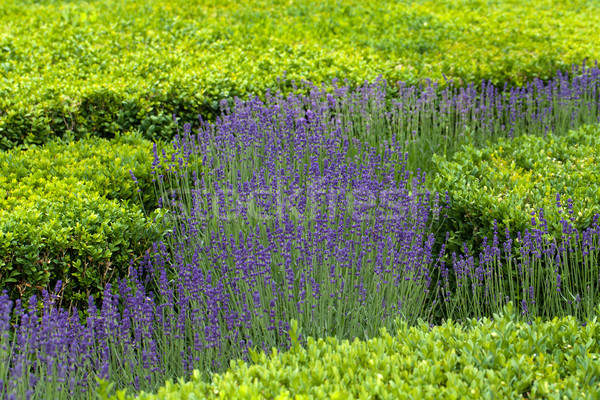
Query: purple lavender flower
{"x": 524, "y": 308}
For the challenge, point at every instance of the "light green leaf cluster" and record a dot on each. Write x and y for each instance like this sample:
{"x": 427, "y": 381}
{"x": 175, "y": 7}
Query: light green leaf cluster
{"x": 499, "y": 358}
{"x": 102, "y": 67}
{"x": 103, "y": 165}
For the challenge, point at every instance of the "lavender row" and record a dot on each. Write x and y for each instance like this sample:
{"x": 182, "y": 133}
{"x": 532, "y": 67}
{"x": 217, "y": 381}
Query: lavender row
{"x": 239, "y": 294}
{"x": 428, "y": 119}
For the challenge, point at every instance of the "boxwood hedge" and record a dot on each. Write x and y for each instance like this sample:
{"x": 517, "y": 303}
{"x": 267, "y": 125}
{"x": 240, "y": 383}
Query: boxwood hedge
{"x": 101, "y": 67}
{"x": 510, "y": 181}
{"x": 73, "y": 212}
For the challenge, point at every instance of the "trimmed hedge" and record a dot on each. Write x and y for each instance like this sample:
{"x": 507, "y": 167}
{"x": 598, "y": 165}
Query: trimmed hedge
{"x": 486, "y": 359}
{"x": 104, "y": 165}
{"x": 72, "y": 68}
{"x": 72, "y": 212}
{"x": 513, "y": 179}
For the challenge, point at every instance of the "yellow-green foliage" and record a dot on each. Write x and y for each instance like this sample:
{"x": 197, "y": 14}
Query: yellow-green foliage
{"x": 101, "y": 67}
{"x": 503, "y": 359}
{"x": 72, "y": 212}
{"x": 102, "y": 164}
{"x": 508, "y": 181}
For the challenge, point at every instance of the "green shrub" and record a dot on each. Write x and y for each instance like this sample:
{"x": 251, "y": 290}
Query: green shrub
{"x": 104, "y": 165}
{"x": 73, "y": 212}
{"x": 510, "y": 181}
{"x": 66, "y": 231}
{"x": 504, "y": 359}
{"x": 102, "y": 67}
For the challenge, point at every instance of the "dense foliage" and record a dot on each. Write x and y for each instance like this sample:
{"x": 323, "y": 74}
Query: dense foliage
{"x": 72, "y": 212}
{"x": 499, "y": 358}
{"x": 512, "y": 180}
{"x": 102, "y": 67}
{"x": 344, "y": 169}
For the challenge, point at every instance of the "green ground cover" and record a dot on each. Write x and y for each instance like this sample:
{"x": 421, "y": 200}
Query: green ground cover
{"x": 71, "y": 211}
{"x": 101, "y": 67}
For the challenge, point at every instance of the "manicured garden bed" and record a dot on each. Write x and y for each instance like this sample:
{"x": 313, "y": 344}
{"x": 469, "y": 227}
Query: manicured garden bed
{"x": 302, "y": 220}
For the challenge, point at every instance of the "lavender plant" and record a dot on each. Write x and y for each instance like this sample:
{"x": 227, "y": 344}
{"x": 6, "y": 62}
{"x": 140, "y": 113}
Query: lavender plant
{"x": 301, "y": 221}
{"x": 433, "y": 121}
{"x": 138, "y": 339}
{"x": 547, "y": 278}
{"x": 429, "y": 119}
{"x": 288, "y": 220}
